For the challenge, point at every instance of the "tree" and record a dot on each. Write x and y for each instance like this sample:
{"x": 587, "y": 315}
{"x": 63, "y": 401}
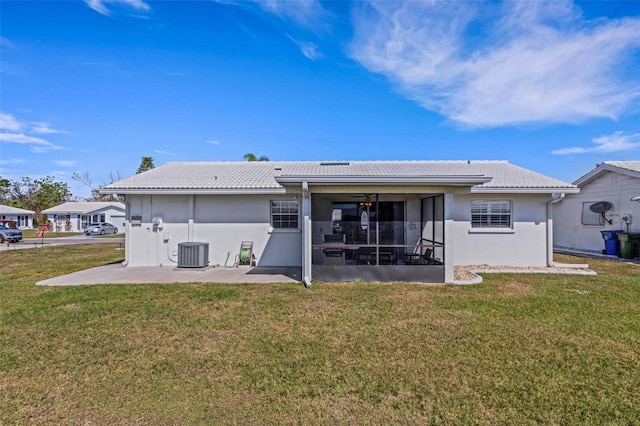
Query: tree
{"x": 252, "y": 157}
{"x": 145, "y": 164}
{"x": 5, "y": 188}
{"x": 85, "y": 179}
{"x": 38, "y": 194}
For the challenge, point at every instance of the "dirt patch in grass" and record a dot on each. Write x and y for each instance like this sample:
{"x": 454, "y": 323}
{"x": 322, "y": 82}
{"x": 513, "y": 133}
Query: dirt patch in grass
{"x": 516, "y": 288}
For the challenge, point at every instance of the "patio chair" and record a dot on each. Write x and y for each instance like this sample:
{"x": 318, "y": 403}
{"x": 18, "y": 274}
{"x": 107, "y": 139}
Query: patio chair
{"x": 420, "y": 255}
{"x": 333, "y": 255}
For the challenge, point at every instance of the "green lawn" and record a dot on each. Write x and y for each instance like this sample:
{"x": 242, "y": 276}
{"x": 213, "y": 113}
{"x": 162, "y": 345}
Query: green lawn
{"x": 33, "y": 233}
{"x": 517, "y": 349}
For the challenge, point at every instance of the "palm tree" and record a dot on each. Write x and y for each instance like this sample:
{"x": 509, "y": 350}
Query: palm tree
{"x": 252, "y": 157}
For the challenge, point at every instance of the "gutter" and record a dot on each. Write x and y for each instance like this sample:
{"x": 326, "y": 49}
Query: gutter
{"x": 462, "y": 180}
{"x": 192, "y": 191}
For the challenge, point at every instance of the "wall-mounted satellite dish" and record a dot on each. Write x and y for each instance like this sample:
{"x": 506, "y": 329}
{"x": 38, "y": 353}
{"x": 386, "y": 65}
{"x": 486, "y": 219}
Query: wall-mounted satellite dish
{"x": 636, "y": 198}
{"x": 601, "y": 207}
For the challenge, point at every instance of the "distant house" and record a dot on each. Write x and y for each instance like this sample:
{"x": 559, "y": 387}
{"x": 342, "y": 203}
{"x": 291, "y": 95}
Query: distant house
{"x": 22, "y": 218}
{"x": 341, "y": 220}
{"x": 74, "y": 216}
{"x": 607, "y": 189}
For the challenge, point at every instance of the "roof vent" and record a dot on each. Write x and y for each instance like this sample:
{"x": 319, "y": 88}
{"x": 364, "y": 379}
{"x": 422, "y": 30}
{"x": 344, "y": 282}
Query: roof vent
{"x": 336, "y": 163}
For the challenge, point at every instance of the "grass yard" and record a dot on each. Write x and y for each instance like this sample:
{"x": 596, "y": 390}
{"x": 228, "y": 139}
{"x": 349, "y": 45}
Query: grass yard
{"x": 33, "y": 233}
{"x": 517, "y": 349}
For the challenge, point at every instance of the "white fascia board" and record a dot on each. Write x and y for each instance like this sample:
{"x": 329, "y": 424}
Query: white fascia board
{"x": 524, "y": 190}
{"x": 141, "y": 191}
{"x": 386, "y": 180}
{"x": 589, "y": 176}
{"x": 593, "y": 174}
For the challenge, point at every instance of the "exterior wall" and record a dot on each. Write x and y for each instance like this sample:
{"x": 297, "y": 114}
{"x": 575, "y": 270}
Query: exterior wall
{"x": 618, "y": 189}
{"x": 523, "y": 245}
{"x": 28, "y": 223}
{"x": 223, "y": 221}
{"x": 111, "y": 215}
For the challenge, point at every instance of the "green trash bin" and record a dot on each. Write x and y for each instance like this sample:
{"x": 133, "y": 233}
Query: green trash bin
{"x": 629, "y": 244}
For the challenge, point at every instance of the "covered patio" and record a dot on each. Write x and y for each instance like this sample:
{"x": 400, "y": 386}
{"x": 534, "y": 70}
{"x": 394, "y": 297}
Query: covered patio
{"x": 377, "y": 228}
{"x": 378, "y": 237}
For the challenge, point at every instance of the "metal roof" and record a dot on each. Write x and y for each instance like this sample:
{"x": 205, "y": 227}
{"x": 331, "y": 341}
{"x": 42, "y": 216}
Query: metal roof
{"x": 633, "y": 166}
{"x": 14, "y": 210}
{"x": 630, "y": 168}
{"x": 83, "y": 207}
{"x": 256, "y": 177}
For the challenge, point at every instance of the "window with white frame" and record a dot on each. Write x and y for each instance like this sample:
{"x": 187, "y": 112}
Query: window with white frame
{"x": 491, "y": 214}
{"x": 284, "y": 214}
{"x": 590, "y": 218}
{"x": 84, "y": 219}
{"x": 96, "y": 218}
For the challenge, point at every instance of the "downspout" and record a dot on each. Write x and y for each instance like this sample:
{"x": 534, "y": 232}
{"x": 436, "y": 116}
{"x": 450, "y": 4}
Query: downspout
{"x": 306, "y": 236}
{"x": 555, "y": 200}
{"x": 127, "y": 229}
{"x": 190, "y": 225}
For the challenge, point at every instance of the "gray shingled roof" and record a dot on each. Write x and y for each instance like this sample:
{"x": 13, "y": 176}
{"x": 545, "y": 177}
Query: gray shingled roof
{"x": 220, "y": 176}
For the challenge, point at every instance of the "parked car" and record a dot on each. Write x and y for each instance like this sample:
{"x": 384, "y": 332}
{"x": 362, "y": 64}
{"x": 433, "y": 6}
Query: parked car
{"x": 100, "y": 229}
{"x": 11, "y": 235}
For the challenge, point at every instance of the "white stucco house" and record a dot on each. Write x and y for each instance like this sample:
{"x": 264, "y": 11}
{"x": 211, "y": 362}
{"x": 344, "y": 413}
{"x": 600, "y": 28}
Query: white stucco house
{"x": 23, "y": 218}
{"x": 609, "y": 186}
{"x": 342, "y": 220}
{"x": 73, "y": 216}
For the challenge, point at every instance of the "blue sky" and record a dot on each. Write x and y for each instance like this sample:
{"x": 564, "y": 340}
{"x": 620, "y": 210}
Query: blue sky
{"x": 92, "y": 86}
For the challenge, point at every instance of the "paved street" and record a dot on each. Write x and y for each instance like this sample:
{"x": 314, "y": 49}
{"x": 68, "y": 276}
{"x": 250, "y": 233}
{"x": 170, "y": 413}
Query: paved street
{"x": 30, "y": 243}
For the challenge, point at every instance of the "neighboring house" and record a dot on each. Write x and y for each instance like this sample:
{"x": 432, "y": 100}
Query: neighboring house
{"x": 611, "y": 185}
{"x": 23, "y": 218}
{"x": 74, "y": 216}
{"x": 342, "y": 220}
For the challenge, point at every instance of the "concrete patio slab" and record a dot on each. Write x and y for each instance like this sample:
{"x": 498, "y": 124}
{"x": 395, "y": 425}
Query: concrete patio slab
{"x": 119, "y": 274}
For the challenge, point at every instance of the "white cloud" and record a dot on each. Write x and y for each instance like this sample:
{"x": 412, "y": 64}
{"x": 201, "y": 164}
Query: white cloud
{"x": 303, "y": 12}
{"x": 12, "y": 161}
{"x": 37, "y": 144}
{"x": 616, "y": 142}
{"x": 494, "y": 64}
{"x": 65, "y": 163}
{"x": 212, "y": 142}
{"x": 308, "y": 13}
{"x": 159, "y": 151}
{"x": 9, "y": 122}
{"x": 12, "y": 124}
{"x": 6, "y": 43}
{"x": 20, "y": 132}
{"x": 308, "y": 49}
{"x": 102, "y": 6}
{"x": 45, "y": 128}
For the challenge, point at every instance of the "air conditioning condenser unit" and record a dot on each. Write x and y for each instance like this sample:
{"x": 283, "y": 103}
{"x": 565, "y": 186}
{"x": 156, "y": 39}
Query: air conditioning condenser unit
{"x": 193, "y": 255}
